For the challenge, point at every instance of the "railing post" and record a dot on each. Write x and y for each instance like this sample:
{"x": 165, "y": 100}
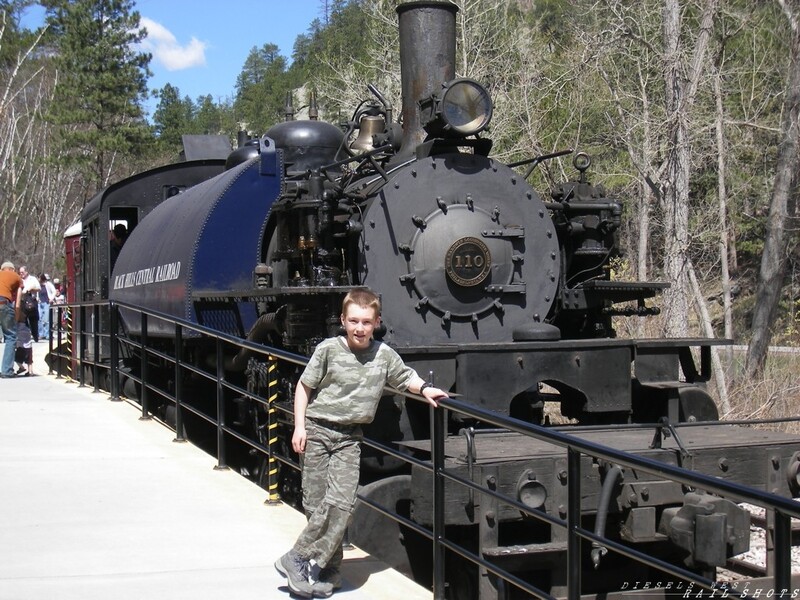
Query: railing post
{"x": 178, "y": 384}
{"x": 221, "y": 458}
{"x": 82, "y": 345}
{"x": 50, "y": 347}
{"x": 273, "y": 496}
{"x": 144, "y": 395}
{"x": 573, "y": 523}
{"x": 69, "y": 353}
{"x": 783, "y": 559}
{"x": 114, "y": 351}
{"x": 437, "y": 453}
{"x": 96, "y": 347}
{"x": 69, "y": 331}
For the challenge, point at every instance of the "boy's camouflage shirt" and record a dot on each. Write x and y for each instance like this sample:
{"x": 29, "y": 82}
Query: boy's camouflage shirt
{"x": 347, "y": 384}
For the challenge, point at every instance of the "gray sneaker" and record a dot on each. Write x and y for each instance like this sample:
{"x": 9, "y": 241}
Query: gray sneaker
{"x": 328, "y": 581}
{"x": 295, "y": 568}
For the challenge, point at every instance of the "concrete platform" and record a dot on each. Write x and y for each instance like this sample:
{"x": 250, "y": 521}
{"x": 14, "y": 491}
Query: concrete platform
{"x": 95, "y": 503}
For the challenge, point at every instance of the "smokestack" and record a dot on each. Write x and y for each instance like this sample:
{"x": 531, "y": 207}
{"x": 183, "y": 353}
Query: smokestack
{"x": 427, "y": 60}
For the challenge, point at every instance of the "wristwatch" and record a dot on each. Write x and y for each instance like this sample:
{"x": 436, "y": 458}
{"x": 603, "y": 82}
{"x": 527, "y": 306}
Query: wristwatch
{"x": 423, "y": 386}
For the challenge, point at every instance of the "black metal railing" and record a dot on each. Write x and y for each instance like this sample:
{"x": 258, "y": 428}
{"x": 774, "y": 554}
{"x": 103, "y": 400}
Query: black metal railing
{"x": 784, "y": 509}
{"x": 87, "y": 333}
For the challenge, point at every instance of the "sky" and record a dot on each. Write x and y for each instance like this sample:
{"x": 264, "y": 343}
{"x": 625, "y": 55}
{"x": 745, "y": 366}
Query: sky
{"x": 199, "y": 46}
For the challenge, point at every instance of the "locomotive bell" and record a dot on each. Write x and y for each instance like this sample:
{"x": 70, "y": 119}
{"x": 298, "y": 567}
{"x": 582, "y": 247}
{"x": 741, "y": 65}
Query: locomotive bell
{"x": 369, "y": 126}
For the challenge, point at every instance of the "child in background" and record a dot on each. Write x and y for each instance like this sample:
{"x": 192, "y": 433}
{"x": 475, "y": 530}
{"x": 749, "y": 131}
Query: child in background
{"x": 59, "y": 299}
{"x": 23, "y": 354}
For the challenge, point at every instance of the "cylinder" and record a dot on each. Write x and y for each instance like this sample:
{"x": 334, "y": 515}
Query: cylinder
{"x": 427, "y": 59}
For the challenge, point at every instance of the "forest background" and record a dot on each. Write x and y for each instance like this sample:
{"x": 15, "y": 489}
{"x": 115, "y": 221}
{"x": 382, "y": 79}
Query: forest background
{"x": 689, "y": 109}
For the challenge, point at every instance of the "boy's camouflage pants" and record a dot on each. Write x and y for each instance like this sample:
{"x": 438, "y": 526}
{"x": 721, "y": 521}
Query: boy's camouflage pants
{"x": 330, "y": 481}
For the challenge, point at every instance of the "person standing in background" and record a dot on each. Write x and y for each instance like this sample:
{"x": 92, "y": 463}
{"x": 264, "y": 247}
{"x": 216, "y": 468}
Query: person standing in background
{"x": 10, "y": 285}
{"x": 118, "y": 236}
{"x": 47, "y": 293}
{"x": 31, "y": 286}
{"x": 24, "y": 351}
{"x": 59, "y": 299}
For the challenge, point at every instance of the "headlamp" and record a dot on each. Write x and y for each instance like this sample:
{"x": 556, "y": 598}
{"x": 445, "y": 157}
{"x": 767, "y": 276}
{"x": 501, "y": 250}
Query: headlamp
{"x": 462, "y": 108}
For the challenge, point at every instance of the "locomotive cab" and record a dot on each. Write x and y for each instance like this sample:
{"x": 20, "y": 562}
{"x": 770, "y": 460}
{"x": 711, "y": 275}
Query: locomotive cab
{"x": 121, "y": 206}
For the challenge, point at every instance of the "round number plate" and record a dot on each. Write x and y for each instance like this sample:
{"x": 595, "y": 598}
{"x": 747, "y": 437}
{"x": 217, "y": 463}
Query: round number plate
{"x": 468, "y": 261}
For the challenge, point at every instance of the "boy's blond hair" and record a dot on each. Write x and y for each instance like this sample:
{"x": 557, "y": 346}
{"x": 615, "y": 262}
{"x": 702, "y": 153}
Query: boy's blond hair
{"x": 364, "y": 298}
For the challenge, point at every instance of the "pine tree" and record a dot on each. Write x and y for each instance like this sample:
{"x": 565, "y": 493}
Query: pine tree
{"x": 173, "y": 117}
{"x": 261, "y": 88}
{"x": 210, "y": 117}
{"x": 102, "y": 83}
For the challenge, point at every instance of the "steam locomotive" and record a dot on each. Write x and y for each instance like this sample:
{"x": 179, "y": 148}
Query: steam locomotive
{"x": 491, "y": 290}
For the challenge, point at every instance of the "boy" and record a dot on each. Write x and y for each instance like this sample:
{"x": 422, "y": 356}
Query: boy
{"x": 339, "y": 391}
{"x": 23, "y": 354}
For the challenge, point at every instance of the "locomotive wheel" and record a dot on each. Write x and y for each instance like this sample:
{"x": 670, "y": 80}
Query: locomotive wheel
{"x": 130, "y": 389}
{"x": 391, "y": 423}
{"x": 384, "y": 538}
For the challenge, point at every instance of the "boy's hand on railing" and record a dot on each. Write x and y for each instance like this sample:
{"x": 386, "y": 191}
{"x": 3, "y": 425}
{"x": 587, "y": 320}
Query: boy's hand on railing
{"x": 432, "y": 395}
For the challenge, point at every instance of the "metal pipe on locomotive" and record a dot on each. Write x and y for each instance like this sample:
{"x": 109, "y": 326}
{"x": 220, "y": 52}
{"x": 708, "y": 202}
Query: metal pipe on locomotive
{"x": 499, "y": 295}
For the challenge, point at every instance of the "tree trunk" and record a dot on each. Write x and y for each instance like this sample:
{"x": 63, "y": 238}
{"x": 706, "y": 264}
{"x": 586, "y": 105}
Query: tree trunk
{"x": 777, "y": 244}
{"x": 722, "y": 195}
{"x": 676, "y": 190}
{"x": 680, "y": 96}
{"x": 705, "y": 321}
{"x": 647, "y": 194}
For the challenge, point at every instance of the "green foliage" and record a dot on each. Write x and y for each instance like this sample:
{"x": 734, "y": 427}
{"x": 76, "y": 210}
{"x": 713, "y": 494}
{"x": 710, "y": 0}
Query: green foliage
{"x": 342, "y": 45}
{"x": 173, "y": 117}
{"x": 102, "y": 83}
{"x": 211, "y": 118}
{"x": 552, "y": 19}
{"x": 15, "y": 39}
{"x": 261, "y": 89}
{"x": 304, "y": 44}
